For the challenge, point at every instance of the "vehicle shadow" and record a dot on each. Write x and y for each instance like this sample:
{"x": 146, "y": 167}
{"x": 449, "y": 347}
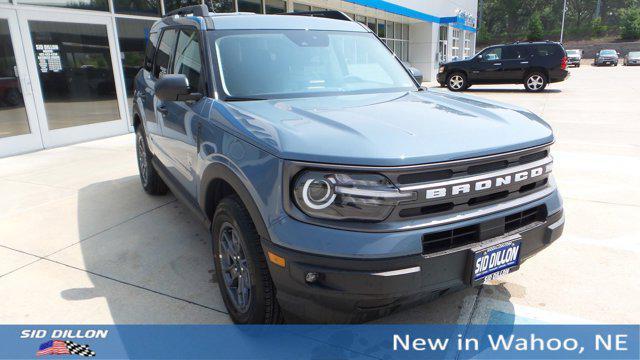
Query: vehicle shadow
{"x": 153, "y": 265}
{"x": 481, "y": 90}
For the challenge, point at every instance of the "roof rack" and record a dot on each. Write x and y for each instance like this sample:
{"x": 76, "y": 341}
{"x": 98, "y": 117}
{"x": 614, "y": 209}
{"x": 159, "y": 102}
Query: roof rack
{"x": 196, "y": 10}
{"x": 329, "y": 14}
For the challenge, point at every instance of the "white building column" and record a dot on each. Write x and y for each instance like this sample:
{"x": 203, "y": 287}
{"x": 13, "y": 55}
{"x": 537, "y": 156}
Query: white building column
{"x": 423, "y": 48}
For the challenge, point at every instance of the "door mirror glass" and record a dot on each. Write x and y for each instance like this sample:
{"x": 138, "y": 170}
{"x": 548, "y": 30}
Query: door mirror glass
{"x": 479, "y": 57}
{"x": 172, "y": 87}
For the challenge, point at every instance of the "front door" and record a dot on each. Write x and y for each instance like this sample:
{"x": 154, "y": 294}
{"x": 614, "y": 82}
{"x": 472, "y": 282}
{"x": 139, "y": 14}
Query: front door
{"x": 19, "y": 128}
{"x": 488, "y": 68}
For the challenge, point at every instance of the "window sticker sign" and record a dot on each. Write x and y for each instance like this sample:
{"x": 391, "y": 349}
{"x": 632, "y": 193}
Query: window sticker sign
{"x": 48, "y": 58}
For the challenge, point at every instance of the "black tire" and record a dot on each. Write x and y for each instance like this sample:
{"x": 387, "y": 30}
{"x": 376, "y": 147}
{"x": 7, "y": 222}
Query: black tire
{"x": 535, "y": 81}
{"x": 260, "y": 305}
{"x": 457, "y": 81}
{"x": 578, "y": 65}
{"x": 151, "y": 181}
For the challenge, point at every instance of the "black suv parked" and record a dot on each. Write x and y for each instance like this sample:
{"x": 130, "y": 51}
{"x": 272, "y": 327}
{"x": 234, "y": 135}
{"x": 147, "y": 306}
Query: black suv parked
{"x": 534, "y": 64}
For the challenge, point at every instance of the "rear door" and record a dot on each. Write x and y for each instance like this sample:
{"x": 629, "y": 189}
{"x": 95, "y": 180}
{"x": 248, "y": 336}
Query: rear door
{"x": 516, "y": 61}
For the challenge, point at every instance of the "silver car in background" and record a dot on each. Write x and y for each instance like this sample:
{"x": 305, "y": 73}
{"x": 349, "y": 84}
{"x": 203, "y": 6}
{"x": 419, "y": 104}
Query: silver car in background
{"x": 606, "y": 57}
{"x": 632, "y": 58}
{"x": 573, "y": 57}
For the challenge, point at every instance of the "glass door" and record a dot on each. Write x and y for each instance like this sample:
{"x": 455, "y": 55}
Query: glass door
{"x": 19, "y": 130}
{"x": 71, "y": 59}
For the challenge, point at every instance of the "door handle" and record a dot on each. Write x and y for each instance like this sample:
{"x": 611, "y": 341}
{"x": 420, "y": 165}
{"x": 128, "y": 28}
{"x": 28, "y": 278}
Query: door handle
{"x": 162, "y": 109}
{"x": 497, "y": 64}
{"x": 524, "y": 62}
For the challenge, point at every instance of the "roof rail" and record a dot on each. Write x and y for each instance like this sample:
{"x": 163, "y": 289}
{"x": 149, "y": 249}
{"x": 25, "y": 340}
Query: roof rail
{"x": 329, "y": 14}
{"x": 196, "y": 10}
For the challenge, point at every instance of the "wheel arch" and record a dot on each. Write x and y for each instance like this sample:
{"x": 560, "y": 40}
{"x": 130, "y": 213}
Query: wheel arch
{"x": 219, "y": 181}
{"x": 536, "y": 69}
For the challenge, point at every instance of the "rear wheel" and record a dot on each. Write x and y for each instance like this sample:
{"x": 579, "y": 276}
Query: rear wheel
{"x": 151, "y": 181}
{"x": 535, "y": 82}
{"x": 241, "y": 269}
{"x": 457, "y": 81}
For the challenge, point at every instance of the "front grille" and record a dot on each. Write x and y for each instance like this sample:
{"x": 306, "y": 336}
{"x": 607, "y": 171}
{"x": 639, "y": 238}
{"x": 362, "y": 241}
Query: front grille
{"x": 420, "y": 179}
{"x": 457, "y": 237}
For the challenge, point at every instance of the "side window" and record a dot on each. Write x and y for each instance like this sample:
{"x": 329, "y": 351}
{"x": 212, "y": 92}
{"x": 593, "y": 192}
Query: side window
{"x": 163, "y": 54}
{"x": 150, "y": 51}
{"x": 187, "y": 59}
{"x": 492, "y": 54}
{"x": 515, "y": 53}
{"x": 546, "y": 50}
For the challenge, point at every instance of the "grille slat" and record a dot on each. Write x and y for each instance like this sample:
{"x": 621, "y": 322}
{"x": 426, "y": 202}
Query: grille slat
{"x": 457, "y": 237}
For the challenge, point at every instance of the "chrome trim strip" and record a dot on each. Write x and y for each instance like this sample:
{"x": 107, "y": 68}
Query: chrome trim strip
{"x": 507, "y": 171}
{"x": 485, "y": 211}
{"x": 410, "y": 270}
{"x": 417, "y": 166}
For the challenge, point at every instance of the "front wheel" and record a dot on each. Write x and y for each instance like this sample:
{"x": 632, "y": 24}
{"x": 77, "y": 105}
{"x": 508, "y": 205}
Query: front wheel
{"x": 457, "y": 82}
{"x": 535, "y": 82}
{"x": 241, "y": 269}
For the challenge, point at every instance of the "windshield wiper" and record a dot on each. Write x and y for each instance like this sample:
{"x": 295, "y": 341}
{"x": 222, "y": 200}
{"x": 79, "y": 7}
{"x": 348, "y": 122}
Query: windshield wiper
{"x": 241, "y": 98}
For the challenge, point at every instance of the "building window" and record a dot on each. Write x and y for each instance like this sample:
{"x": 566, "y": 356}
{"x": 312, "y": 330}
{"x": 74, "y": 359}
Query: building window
{"x": 137, "y": 7}
{"x": 252, "y": 6}
{"x": 301, "y": 7}
{"x": 219, "y": 6}
{"x": 275, "y": 6}
{"x": 371, "y": 23}
{"x": 100, "y": 5}
{"x": 133, "y": 35}
{"x": 455, "y": 44}
{"x": 466, "y": 51}
{"x": 170, "y": 5}
{"x": 442, "y": 44}
{"x": 394, "y": 34}
{"x": 361, "y": 19}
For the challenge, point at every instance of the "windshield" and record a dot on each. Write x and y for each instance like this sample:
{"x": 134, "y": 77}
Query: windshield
{"x": 297, "y": 63}
{"x": 573, "y": 52}
{"x": 607, "y": 52}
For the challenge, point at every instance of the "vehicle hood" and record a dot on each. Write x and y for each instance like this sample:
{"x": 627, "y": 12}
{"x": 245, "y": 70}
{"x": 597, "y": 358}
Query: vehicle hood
{"x": 390, "y": 129}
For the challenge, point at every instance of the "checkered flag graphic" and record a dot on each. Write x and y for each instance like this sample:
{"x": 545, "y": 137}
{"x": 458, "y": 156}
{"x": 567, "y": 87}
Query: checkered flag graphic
{"x": 77, "y": 349}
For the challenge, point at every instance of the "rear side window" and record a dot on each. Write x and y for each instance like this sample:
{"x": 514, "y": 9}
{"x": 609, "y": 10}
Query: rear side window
{"x": 548, "y": 50}
{"x": 187, "y": 59}
{"x": 515, "y": 53}
{"x": 163, "y": 54}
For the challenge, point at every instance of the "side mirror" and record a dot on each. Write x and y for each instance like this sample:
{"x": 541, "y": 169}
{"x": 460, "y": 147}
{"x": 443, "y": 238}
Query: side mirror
{"x": 417, "y": 74}
{"x": 479, "y": 57}
{"x": 175, "y": 87}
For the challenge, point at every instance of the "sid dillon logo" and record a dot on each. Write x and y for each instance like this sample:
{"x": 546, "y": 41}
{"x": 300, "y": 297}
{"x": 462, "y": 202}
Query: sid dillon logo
{"x": 59, "y": 343}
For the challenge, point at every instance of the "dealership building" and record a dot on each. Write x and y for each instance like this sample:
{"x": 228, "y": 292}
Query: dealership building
{"x": 67, "y": 66}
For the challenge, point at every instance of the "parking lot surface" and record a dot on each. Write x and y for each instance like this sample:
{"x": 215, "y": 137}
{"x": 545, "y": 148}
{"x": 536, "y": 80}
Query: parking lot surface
{"x": 80, "y": 242}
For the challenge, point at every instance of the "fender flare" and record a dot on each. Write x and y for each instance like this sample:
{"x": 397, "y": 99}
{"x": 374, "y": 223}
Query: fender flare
{"x": 219, "y": 171}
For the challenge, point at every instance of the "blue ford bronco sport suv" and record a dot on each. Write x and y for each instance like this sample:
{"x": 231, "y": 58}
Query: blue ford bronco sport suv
{"x": 336, "y": 189}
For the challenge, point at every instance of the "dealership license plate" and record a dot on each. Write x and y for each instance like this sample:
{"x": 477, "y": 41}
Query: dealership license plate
{"x": 495, "y": 260}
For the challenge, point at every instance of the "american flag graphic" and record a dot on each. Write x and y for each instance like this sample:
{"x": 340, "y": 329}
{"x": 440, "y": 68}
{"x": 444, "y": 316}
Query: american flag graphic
{"x": 62, "y": 347}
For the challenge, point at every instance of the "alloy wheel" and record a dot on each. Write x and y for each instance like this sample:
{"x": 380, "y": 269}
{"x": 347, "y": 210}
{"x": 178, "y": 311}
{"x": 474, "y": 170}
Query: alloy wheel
{"x": 535, "y": 82}
{"x": 142, "y": 159}
{"x": 456, "y": 82}
{"x": 235, "y": 267}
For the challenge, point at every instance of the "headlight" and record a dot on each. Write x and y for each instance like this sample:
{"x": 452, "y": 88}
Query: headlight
{"x": 346, "y": 196}
{"x": 441, "y": 69}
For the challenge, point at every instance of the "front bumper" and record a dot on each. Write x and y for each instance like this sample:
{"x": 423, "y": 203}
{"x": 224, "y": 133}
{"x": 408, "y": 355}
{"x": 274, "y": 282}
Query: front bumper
{"x": 356, "y": 290}
{"x": 441, "y": 78}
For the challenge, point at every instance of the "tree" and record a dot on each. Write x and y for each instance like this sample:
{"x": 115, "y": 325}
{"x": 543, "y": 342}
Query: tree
{"x": 535, "y": 30}
{"x": 630, "y": 23}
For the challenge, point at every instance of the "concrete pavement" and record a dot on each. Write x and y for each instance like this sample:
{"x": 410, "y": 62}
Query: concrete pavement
{"x": 80, "y": 242}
